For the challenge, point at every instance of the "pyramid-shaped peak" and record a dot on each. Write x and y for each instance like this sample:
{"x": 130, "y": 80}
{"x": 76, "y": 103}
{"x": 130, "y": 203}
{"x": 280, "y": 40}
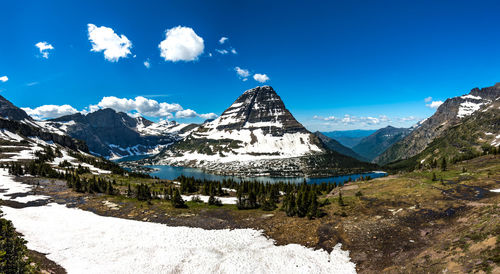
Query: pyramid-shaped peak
{"x": 260, "y": 107}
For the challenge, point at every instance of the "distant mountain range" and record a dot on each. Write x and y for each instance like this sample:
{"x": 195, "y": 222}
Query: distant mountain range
{"x": 338, "y": 147}
{"x": 376, "y": 143}
{"x": 349, "y": 138}
{"x": 257, "y": 135}
{"x": 115, "y": 134}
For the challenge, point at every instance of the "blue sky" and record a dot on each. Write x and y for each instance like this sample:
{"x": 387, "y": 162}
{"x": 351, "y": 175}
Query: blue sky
{"x": 374, "y": 61}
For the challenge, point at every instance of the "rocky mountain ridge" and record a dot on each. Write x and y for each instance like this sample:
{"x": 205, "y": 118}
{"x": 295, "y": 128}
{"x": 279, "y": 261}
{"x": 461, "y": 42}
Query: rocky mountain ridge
{"x": 450, "y": 114}
{"x": 115, "y": 134}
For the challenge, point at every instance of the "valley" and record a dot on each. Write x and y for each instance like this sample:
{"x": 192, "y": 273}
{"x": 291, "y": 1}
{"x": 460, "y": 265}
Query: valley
{"x": 253, "y": 174}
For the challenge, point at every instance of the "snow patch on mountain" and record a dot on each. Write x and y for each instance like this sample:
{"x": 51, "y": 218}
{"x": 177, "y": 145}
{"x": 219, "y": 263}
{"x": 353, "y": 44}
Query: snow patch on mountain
{"x": 467, "y": 108}
{"x": 162, "y": 127}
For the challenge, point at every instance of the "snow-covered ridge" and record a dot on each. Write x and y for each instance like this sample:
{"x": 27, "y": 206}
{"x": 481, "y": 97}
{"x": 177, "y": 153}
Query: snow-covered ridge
{"x": 162, "y": 127}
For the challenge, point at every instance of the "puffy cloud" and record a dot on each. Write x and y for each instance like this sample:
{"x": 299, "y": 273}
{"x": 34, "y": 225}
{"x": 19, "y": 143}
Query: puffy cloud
{"x": 147, "y": 64}
{"x": 210, "y": 115}
{"x": 262, "y": 78}
{"x": 44, "y": 48}
{"x": 187, "y": 113}
{"x": 434, "y": 104}
{"x": 144, "y": 106}
{"x": 428, "y": 99}
{"x": 4, "y": 79}
{"x": 181, "y": 44}
{"x": 242, "y": 73}
{"x": 50, "y": 111}
{"x": 222, "y": 51}
{"x": 222, "y": 40}
{"x": 105, "y": 39}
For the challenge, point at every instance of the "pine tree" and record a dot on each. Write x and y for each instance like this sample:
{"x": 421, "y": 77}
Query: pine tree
{"x": 177, "y": 200}
{"x": 313, "y": 208}
{"x": 443, "y": 164}
{"x": 129, "y": 191}
{"x": 341, "y": 200}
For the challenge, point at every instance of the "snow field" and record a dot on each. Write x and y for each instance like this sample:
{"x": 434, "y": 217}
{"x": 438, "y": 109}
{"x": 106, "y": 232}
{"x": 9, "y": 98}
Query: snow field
{"x": 83, "y": 242}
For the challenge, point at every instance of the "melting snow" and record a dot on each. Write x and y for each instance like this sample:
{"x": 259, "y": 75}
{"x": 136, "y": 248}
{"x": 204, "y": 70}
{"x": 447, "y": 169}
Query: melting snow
{"x": 9, "y": 187}
{"x": 467, "y": 108}
{"x": 469, "y": 96}
{"x": 204, "y": 198}
{"x": 83, "y": 242}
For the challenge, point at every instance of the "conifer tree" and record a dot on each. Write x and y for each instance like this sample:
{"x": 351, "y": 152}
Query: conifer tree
{"x": 177, "y": 200}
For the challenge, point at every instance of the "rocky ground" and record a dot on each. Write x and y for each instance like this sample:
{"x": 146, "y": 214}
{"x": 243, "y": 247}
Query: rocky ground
{"x": 402, "y": 223}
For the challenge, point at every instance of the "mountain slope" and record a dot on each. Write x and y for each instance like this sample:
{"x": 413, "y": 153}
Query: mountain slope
{"x": 24, "y": 141}
{"x": 338, "y": 147}
{"x": 256, "y": 135}
{"x": 472, "y": 136}
{"x": 449, "y": 114}
{"x": 376, "y": 143}
{"x": 115, "y": 134}
{"x": 9, "y": 111}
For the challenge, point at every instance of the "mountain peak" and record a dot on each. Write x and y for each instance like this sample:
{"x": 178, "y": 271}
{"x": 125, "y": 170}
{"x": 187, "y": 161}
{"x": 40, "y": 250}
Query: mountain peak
{"x": 258, "y": 108}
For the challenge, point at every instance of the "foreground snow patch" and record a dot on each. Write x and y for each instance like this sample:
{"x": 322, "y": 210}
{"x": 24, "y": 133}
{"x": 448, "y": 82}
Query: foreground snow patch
{"x": 495, "y": 190}
{"x": 9, "y": 187}
{"x": 83, "y": 242}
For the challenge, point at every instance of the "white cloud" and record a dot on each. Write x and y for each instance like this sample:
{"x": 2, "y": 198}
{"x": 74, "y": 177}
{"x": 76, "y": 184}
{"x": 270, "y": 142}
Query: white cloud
{"x": 147, "y": 64}
{"x": 210, "y": 115}
{"x": 434, "y": 104}
{"x": 4, "y": 79}
{"x": 50, "y": 111}
{"x": 242, "y": 73}
{"x": 428, "y": 99}
{"x": 187, "y": 113}
{"x": 105, "y": 39}
{"x": 181, "y": 44}
{"x": 222, "y": 51}
{"x": 233, "y": 51}
{"x": 144, "y": 106}
{"x": 44, "y": 48}
{"x": 329, "y": 118}
{"x": 351, "y": 120}
{"x": 260, "y": 77}
{"x": 222, "y": 40}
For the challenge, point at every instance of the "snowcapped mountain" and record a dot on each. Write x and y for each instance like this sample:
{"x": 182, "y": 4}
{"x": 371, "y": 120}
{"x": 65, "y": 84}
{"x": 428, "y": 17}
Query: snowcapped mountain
{"x": 255, "y": 134}
{"x": 22, "y": 138}
{"x": 451, "y": 113}
{"x": 115, "y": 134}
